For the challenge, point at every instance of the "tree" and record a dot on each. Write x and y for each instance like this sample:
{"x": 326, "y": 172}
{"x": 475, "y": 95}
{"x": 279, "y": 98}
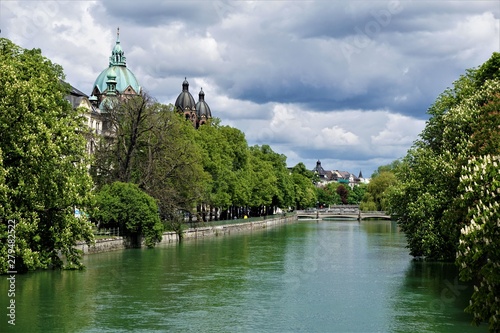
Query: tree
{"x": 446, "y": 195}
{"x": 478, "y": 255}
{"x": 44, "y": 170}
{"x": 424, "y": 198}
{"x": 284, "y": 195}
{"x": 343, "y": 192}
{"x": 377, "y": 190}
{"x": 386, "y": 168}
{"x": 174, "y": 175}
{"x": 263, "y": 180}
{"x": 225, "y": 158}
{"x": 356, "y": 195}
{"x": 329, "y": 195}
{"x": 125, "y": 206}
{"x": 238, "y": 164}
{"x": 152, "y": 146}
{"x": 304, "y": 189}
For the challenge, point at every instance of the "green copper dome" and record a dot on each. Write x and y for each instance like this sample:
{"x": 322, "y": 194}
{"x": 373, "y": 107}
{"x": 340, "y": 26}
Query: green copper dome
{"x": 117, "y": 68}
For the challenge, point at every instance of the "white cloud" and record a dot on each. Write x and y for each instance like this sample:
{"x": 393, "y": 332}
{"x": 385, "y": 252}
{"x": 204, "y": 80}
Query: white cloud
{"x": 335, "y": 136}
{"x": 398, "y": 131}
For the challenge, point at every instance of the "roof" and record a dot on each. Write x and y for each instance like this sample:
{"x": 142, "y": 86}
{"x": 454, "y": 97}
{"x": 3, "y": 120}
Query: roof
{"x": 124, "y": 79}
{"x": 202, "y": 108}
{"x": 75, "y": 97}
{"x": 77, "y": 92}
{"x": 185, "y": 100}
{"x": 319, "y": 169}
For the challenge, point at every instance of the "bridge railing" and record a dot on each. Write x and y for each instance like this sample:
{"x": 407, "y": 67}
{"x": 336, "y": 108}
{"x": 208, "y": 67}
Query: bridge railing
{"x": 348, "y": 209}
{"x": 340, "y": 211}
{"x": 373, "y": 212}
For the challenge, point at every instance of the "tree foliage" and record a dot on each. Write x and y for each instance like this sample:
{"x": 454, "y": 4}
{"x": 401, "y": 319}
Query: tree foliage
{"x": 478, "y": 255}
{"x": 152, "y": 147}
{"x": 43, "y": 175}
{"x": 339, "y": 194}
{"x": 446, "y": 198}
{"x": 135, "y": 212}
{"x": 225, "y": 158}
{"x": 425, "y": 199}
{"x": 304, "y": 189}
{"x": 377, "y": 190}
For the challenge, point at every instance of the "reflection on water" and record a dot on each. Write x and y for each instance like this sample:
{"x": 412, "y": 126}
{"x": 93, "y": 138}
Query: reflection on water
{"x": 309, "y": 276}
{"x": 432, "y": 290}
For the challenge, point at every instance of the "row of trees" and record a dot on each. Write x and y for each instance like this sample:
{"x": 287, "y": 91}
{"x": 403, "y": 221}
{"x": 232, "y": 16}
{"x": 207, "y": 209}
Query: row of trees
{"x": 447, "y": 188}
{"x": 208, "y": 173}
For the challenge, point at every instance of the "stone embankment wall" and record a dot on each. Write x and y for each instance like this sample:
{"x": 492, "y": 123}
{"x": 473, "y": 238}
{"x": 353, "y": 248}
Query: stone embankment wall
{"x": 104, "y": 245}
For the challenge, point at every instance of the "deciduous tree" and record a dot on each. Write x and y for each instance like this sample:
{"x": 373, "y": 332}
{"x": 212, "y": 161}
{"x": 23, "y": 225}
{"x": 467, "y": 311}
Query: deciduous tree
{"x": 153, "y": 147}
{"x": 304, "y": 189}
{"x": 43, "y": 177}
{"x": 125, "y": 206}
{"x": 446, "y": 197}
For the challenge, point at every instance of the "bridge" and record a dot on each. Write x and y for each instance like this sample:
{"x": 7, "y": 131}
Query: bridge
{"x": 342, "y": 212}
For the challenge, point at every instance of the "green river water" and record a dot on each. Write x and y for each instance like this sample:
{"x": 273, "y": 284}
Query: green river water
{"x": 307, "y": 276}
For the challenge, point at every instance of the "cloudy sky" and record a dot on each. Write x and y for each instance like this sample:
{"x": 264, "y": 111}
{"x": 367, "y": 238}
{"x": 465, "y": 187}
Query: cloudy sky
{"x": 345, "y": 82}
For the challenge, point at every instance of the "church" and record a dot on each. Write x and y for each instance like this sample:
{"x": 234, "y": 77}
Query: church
{"x": 116, "y": 83}
{"x": 198, "y": 113}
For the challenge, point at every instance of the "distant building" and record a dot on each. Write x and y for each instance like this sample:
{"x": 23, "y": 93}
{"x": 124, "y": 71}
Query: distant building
{"x": 343, "y": 177}
{"x": 322, "y": 174}
{"x": 362, "y": 179}
{"x": 92, "y": 114}
{"x": 197, "y": 112}
{"x": 116, "y": 80}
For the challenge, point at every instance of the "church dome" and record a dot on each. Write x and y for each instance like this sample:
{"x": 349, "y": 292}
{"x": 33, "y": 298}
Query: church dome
{"x": 126, "y": 82}
{"x": 185, "y": 100}
{"x": 124, "y": 79}
{"x": 202, "y": 108}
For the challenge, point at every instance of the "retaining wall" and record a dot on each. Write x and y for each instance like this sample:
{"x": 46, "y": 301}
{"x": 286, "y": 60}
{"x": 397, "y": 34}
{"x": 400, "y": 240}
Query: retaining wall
{"x": 103, "y": 245}
{"x": 118, "y": 243}
{"x": 221, "y": 230}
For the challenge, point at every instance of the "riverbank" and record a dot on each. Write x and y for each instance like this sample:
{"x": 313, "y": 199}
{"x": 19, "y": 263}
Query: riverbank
{"x": 119, "y": 243}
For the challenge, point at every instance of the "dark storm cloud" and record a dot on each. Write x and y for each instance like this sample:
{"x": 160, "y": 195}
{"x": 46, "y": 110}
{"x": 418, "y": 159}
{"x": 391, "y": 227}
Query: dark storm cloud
{"x": 196, "y": 15}
{"x": 339, "y": 19}
{"x": 153, "y": 12}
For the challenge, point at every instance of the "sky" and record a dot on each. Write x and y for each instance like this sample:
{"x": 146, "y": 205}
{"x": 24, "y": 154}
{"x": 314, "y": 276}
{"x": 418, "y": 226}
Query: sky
{"x": 348, "y": 83}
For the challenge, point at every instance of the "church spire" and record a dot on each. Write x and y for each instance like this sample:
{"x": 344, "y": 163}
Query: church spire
{"x": 117, "y": 55}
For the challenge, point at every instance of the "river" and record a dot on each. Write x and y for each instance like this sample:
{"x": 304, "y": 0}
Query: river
{"x": 307, "y": 276}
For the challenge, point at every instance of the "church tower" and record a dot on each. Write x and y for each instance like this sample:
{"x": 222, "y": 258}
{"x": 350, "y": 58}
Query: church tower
{"x": 198, "y": 113}
{"x": 116, "y": 80}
